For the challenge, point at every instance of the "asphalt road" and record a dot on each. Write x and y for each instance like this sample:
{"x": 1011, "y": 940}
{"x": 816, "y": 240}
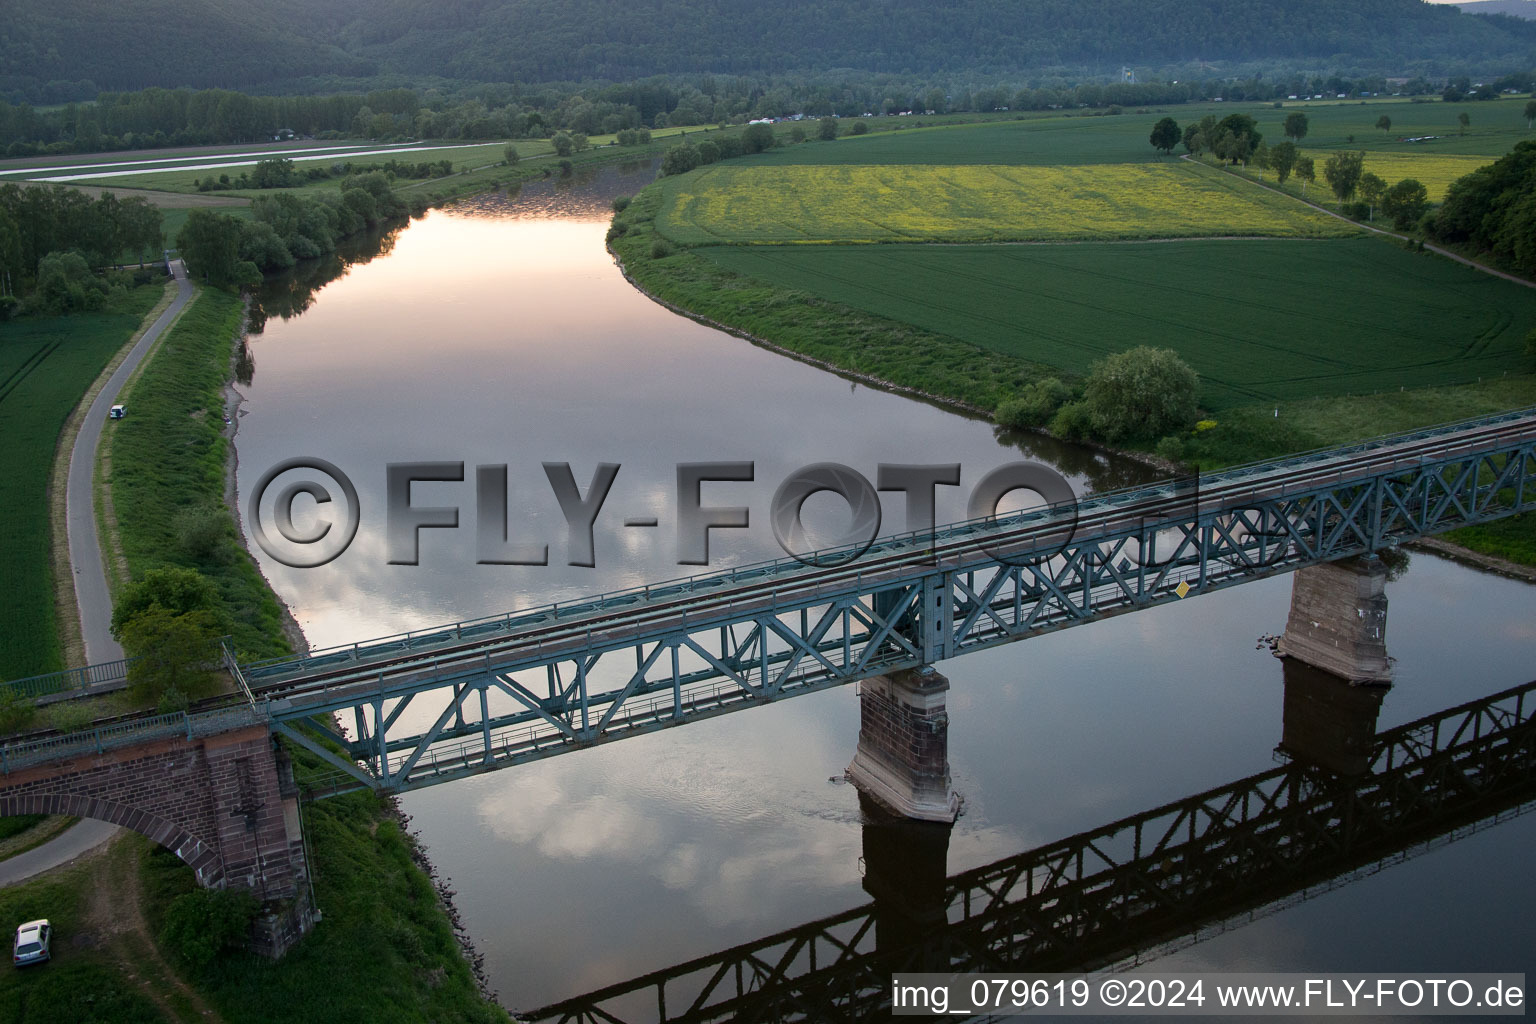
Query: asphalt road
{"x": 79, "y": 838}
{"x": 91, "y": 593}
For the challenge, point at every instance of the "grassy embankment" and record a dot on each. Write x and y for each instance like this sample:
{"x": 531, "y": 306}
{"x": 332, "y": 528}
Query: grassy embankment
{"x": 385, "y": 950}
{"x": 46, "y": 364}
{"x": 1304, "y": 328}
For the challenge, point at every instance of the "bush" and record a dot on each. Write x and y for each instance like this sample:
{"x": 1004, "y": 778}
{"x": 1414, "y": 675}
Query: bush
{"x": 71, "y": 716}
{"x": 1073, "y": 422}
{"x": 620, "y": 204}
{"x": 201, "y": 531}
{"x": 1171, "y": 448}
{"x": 826, "y": 128}
{"x": 757, "y": 138}
{"x": 1034, "y": 406}
{"x": 170, "y": 652}
{"x": 65, "y": 284}
{"x": 172, "y": 588}
{"x": 16, "y": 711}
{"x": 511, "y": 155}
{"x": 859, "y": 128}
{"x": 201, "y": 924}
{"x": 1140, "y": 394}
{"x": 565, "y": 168}
{"x": 661, "y": 249}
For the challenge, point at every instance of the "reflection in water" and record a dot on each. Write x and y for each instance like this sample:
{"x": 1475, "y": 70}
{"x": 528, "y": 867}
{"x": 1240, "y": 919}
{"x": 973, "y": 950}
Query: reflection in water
{"x": 289, "y": 293}
{"x": 586, "y": 194}
{"x": 1115, "y": 892}
{"x": 245, "y": 363}
{"x": 491, "y": 336}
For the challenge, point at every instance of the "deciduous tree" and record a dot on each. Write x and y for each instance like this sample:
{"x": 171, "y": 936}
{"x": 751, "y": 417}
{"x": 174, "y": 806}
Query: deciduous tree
{"x": 1296, "y": 126}
{"x": 1282, "y": 157}
{"x": 1142, "y": 393}
{"x": 1405, "y": 203}
{"x": 1166, "y": 135}
{"x": 1343, "y": 172}
{"x": 1306, "y": 171}
{"x": 1372, "y": 188}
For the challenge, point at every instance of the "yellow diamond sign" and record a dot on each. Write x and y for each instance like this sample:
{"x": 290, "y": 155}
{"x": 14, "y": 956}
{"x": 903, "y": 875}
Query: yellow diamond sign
{"x": 1183, "y": 588}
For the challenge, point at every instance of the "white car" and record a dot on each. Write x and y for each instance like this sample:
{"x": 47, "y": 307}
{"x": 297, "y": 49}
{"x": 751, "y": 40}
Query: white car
{"x": 31, "y": 946}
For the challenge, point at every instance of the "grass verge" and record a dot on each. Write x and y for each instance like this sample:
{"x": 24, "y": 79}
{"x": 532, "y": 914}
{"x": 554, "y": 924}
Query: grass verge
{"x": 385, "y": 950}
{"x": 82, "y": 984}
{"x": 384, "y": 953}
{"x": 167, "y": 470}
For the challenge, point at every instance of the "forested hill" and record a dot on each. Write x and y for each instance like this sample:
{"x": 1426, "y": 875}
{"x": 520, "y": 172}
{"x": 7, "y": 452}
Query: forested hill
{"x": 125, "y": 44}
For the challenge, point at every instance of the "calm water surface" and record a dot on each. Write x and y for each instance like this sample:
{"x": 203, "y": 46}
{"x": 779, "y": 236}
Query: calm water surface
{"x": 499, "y": 331}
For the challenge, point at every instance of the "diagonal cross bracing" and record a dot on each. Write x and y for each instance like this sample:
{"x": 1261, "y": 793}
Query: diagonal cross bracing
{"x": 626, "y": 664}
{"x": 433, "y": 705}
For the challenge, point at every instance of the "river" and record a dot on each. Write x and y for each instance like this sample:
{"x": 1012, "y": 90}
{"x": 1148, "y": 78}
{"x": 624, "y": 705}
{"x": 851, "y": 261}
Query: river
{"x": 499, "y": 331}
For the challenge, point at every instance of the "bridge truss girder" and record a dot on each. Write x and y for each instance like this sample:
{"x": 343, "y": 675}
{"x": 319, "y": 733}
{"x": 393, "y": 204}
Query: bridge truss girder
{"x": 465, "y": 717}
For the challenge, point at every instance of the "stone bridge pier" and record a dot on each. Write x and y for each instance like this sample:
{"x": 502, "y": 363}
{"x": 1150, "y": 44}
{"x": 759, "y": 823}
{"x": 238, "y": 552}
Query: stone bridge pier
{"x": 1338, "y": 620}
{"x": 902, "y": 762}
{"x": 225, "y": 803}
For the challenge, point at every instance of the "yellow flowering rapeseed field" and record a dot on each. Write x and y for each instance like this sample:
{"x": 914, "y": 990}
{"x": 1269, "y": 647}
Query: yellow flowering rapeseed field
{"x": 1435, "y": 171}
{"x": 904, "y": 203}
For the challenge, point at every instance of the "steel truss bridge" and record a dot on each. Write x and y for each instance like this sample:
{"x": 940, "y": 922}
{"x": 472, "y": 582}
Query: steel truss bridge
{"x": 1139, "y": 884}
{"x": 426, "y": 707}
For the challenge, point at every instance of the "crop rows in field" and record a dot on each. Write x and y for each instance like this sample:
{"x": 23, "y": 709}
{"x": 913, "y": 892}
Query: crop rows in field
{"x": 1260, "y": 320}
{"x": 45, "y": 366}
{"x": 732, "y": 204}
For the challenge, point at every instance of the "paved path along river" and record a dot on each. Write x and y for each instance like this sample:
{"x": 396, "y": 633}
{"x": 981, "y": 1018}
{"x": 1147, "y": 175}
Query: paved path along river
{"x": 92, "y": 594}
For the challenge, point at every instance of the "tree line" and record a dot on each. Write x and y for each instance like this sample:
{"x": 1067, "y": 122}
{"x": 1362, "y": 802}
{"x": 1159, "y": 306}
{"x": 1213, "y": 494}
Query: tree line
{"x": 158, "y": 117}
{"x": 52, "y": 237}
{"x": 285, "y": 228}
{"x": 1236, "y": 139}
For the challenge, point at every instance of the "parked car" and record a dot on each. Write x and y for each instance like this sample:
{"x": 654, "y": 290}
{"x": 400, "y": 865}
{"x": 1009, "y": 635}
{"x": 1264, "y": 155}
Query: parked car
{"x": 31, "y": 946}
{"x": 118, "y": 412}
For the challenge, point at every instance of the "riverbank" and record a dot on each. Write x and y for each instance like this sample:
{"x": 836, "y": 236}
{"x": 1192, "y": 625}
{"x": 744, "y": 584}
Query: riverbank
{"x": 386, "y": 949}
{"x": 909, "y": 359}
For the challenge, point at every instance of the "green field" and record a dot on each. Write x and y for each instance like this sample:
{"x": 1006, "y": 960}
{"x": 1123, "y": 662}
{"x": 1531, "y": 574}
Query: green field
{"x": 1083, "y": 138}
{"x": 1093, "y": 139}
{"x": 46, "y": 364}
{"x": 1259, "y": 320}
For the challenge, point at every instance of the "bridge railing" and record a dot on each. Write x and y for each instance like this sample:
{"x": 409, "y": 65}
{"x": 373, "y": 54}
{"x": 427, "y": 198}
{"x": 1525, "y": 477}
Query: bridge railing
{"x": 787, "y": 568}
{"x": 14, "y": 756}
{"x": 105, "y": 675}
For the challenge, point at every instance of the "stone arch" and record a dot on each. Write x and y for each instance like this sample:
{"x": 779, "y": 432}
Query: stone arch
{"x": 203, "y": 860}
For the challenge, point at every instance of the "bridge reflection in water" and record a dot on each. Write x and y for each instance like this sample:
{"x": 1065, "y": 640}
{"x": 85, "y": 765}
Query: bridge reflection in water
{"x": 1344, "y": 803}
